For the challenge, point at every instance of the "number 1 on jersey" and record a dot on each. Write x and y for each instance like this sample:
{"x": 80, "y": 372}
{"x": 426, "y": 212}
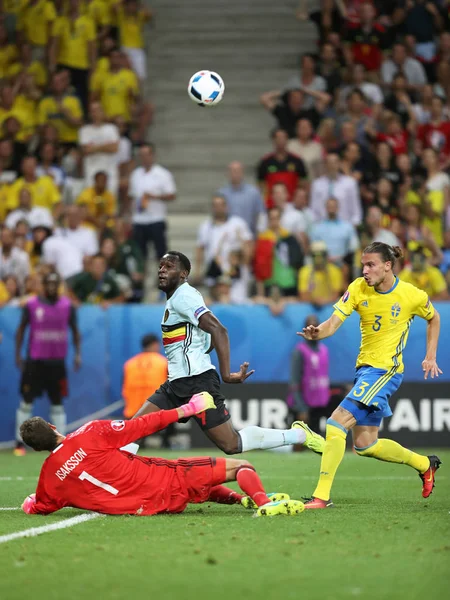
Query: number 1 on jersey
{"x": 98, "y": 483}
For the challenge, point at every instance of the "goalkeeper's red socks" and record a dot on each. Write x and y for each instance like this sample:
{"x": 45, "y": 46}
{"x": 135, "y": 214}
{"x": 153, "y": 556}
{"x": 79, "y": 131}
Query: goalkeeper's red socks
{"x": 250, "y": 483}
{"x": 224, "y": 495}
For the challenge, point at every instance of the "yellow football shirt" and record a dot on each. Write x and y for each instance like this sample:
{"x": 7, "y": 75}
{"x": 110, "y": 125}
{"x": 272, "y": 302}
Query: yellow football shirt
{"x": 37, "y": 70}
{"x": 8, "y": 54}
{"x": 43, "y": 192}
{"x": 430, "y": 280}
{"x": 131, "y": 29}
{"x": 13, "y": 7}
{"x": 34, "y": 22}
{"x": 99, "y": 12}
{"x": 49, "y": 112}
{"x": 74, "y": 38}
{"x": 385, "y": 319}
{"x": 98, "y": 205}
{"x": 115, "y": 91}
{"x": 437, "y": 202}
{"x": 320, "y": 284}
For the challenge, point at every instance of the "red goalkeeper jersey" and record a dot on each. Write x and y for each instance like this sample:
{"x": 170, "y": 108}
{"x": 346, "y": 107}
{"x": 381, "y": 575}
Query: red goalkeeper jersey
{"x": 89, "y": 471}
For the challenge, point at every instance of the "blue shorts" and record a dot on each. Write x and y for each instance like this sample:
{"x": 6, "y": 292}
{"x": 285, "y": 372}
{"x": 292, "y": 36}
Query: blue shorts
{"x": 368, "y": 400}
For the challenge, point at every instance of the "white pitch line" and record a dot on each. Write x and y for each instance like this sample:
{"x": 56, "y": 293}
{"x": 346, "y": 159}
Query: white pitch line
{"x": 9, "y": 507}
{"x": 34, "y": 531}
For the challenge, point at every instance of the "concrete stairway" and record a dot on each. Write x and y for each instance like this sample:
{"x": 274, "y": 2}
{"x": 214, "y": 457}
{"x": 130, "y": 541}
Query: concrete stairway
{"x": 254, "y": 45}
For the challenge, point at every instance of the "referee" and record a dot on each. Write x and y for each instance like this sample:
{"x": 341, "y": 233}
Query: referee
{"x": 49, "y": 318}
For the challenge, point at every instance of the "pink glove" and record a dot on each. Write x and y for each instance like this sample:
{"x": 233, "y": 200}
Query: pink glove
{"x": 197, "y": 404}
{"x": 28, "y": 503}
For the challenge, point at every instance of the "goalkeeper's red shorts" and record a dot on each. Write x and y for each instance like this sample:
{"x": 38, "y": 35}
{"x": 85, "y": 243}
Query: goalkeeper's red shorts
{"x": 195, "y": 478}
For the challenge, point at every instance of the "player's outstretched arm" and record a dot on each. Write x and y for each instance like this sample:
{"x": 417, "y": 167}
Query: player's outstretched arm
{"x": 429, "y": 364}
{"x": 116, "y": 434}
{"x": 322, "y": 331}
{"x": 219, "y": 335}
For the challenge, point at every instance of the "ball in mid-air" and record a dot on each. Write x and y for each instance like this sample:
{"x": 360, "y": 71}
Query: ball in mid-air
{"x": 206, "y": 88}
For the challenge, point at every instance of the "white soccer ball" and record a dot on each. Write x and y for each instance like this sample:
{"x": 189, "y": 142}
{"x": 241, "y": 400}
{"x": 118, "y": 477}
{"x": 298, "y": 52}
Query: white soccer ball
{"x": 206, "y": 88}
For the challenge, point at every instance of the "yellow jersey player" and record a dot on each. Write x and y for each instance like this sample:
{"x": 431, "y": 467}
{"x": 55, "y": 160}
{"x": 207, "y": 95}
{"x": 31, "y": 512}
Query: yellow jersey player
{"x": 387, "y": 307}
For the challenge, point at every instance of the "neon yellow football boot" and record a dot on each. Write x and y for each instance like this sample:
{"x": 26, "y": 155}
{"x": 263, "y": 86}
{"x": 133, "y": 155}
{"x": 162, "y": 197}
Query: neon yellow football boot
{"x": 314, "y": 441}
{"x": 247, "y": 502}
{"x": 289, "y": 508}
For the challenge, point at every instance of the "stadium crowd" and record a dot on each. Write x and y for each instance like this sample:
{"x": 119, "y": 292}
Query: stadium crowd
{"x": 361, "y": 153}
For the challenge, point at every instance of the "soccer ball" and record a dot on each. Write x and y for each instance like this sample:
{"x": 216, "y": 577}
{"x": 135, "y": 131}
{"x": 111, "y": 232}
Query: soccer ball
{"x": 206, "y": 88}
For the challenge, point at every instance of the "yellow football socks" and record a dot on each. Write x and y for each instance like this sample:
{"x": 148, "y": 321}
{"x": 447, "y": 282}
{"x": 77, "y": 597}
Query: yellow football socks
{"x": 331, "y": 459}
{"x": 390, "y": 451}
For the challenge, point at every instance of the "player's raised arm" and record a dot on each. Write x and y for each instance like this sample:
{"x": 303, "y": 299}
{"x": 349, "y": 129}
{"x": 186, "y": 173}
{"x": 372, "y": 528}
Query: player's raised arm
{"x": 429, "y": 364}
{"x": 322, "y": 331}
{"x": 117, "y": 434}
{"x": 219, "y": 335}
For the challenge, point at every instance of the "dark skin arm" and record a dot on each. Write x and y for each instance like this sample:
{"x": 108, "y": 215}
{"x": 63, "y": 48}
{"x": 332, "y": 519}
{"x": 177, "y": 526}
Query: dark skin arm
{"x": 20, "y": 333}
{"x": 76, "y": 338}
{"x": 219, "y": 337}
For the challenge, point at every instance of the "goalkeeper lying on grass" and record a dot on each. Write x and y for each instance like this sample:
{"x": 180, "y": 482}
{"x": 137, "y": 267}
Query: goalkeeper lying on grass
{"x": 88, "y": 469}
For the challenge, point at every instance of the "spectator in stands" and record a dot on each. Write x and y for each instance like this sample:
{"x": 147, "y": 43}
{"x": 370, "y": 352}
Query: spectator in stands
{"x": 445, "y": 264}
{"x": 340, "y": 236}
{"x": 422, "y": 107}
{"x": 34, "y": 26}
{"x": 398, "y": 100}
{"x": 280, "y": 166}
{"x": 151, "y": 188}
{"x": 329, "y": 68}
{"x": 289, "y": 107}
{"x": 62, "y": 109}
{"x": 13, "y": 261}
{"x": 33, "y": 216}
{"x": 292, "y": 220}
{"x": 128, "y": 260}
{"x": 26, "y": 65}
{"x": 356, "y": 113}
{"x": 43, "y": 190}
{"x": 243, "y": 199}
{"x": 351, "y": 161}
{"x": 307, "y": 80}
{"x": 100, "y": 203}
{"x": 77, "y": 53}
{"x": 383, "y": 167}
{"x": 218, "y": 236}
{"x": 432, "y": 206}
{"x": 82, "y": 237}
{"x": 416, "y": 233}
{"x": 9, "y": 159}
{"x": 320, "y": 283}
{"x": 117, "y": 88}
{"x": 12, "y": 288}
{"x": 125, "y": 165}
{"x": 300, "y": 202}
{"x": 307, "y": 149}
{"x": 326, "y": 135}
{"x": 65, "y": 258}
{"x": 367, "y": 40}
{"x": 278, "y": 257}
{"x": 400, "y": 62}
{"x": 436, "y": 133}
{"x": 423, "y": 21}
{"x": 94, "y": 286}
{"x": 437, "y": 179}
{"x": 329, "y": 18}
{"x": 372, "y": 91}
{"x": 49, "y": 165}
{"x": 375, "y": 231}
{"x": 108, "y": 249}
{"x": 341, "y": 187}
{"x": 425, "y": 277}
{"x": 99, "y": 143}
{"x": 442, "y": 86}
{"x": 131, "y": 18}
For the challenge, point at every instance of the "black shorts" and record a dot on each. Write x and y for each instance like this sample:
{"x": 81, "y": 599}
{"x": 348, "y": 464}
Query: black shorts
{"x": 40, "y": 376}
{"x": 173, "y": 394}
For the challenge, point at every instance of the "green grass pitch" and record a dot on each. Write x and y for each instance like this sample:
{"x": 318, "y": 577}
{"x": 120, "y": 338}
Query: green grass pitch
{"x": 382, "y": 542}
